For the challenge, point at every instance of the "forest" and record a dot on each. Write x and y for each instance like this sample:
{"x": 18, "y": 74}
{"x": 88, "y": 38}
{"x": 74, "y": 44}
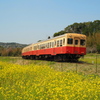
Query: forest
{"x": 90, "y": 29}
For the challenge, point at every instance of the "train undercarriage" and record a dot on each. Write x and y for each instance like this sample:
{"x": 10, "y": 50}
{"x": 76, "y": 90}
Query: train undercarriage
{"x": 59, "y": 57}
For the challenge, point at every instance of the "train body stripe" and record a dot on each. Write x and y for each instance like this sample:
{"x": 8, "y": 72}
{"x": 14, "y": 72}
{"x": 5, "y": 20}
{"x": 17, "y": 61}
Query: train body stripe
{"x": 57, "y": 50}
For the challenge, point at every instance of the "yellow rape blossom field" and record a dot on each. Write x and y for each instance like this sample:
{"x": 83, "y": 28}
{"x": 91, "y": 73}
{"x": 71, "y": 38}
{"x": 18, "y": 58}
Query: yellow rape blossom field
{"x": 40, "y": 82}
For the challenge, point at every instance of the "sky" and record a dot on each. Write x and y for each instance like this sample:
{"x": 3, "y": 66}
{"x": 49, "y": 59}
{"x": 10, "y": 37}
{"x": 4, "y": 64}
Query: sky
{"x": 27, "y": 21}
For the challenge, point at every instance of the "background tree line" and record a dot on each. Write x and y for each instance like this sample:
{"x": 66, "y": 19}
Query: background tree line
{"x": 90, "y": 29}
{"x": 10, "y": 51}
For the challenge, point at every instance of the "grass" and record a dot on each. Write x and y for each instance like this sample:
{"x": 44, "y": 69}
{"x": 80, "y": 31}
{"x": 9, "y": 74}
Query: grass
{"x": 91, "y": 58}
{"x": 86, "y": 65}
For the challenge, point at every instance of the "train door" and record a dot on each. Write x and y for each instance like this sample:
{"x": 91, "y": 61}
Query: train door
{"x": 76, "y": 45}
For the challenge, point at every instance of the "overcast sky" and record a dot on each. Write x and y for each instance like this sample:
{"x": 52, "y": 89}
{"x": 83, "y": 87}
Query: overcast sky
{"x": 27, "y": 21}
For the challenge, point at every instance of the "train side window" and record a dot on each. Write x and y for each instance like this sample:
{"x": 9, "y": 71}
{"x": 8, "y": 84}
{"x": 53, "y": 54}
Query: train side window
{"x": 55, "y": 43}
{"x": 60, "y": 42}
{"x": 34, "y": 47}
{"x": 76, "y": 42}
{"x": 30, "y": 48}
{"x": 63, "y": 41}
{"x": 43, "y": 46}
{"x": 82, "y": 42}
{"x": 48, "y": 45}
{"x": 70, "y": 41}
{"x": 52, "y": 44}
{"x": 38, "y": 46}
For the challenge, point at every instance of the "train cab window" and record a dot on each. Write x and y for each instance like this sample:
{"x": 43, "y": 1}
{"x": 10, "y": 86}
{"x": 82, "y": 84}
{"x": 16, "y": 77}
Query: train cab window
{"x": 63, "y": 41}
{"x": 70, "y": 41}
{"x": 60, "y": 42}
{"x": 76, "y": 42}
{"x": 82, "y": 42}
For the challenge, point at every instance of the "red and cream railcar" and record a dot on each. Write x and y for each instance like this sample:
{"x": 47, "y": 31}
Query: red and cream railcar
{"x": 70, "y": 46}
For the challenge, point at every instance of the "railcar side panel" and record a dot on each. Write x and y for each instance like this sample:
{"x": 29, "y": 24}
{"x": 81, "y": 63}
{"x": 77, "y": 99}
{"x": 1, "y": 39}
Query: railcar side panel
{"x": 58, "y": 50}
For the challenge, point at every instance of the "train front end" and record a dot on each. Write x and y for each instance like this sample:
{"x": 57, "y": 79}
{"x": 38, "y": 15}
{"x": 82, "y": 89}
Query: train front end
{"x": 76, "y": 45}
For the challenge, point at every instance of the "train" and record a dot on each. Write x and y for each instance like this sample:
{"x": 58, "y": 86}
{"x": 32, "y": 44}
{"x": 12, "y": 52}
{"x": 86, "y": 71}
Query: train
{"x": 66, "y": 47}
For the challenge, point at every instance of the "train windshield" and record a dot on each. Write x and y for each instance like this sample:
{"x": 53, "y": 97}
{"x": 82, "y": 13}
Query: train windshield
{"x": 76, "y": 42}
{"x": 70, "y": 41}
{"x": 82, "y": 42}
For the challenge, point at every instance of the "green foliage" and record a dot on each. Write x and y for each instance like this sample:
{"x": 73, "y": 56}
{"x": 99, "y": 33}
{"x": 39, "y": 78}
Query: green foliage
{"x": 59, "y": 33}
{"x": 1, "y": 49}
{"x": 93, "y": 41}
{"x": 87, "y": 28}
{"x": 91, "y": 59}
{"x": 98, "y": 48}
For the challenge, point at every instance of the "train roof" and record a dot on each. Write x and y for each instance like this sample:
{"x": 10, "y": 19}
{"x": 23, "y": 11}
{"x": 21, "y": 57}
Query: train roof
{"x": 54, "y": 38}
{"x": 60, "y": 36}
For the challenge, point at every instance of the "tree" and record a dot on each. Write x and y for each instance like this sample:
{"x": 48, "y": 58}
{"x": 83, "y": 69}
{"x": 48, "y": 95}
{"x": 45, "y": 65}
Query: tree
{"x": 1, "y": 49}
{"x": 59, "y": 33}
